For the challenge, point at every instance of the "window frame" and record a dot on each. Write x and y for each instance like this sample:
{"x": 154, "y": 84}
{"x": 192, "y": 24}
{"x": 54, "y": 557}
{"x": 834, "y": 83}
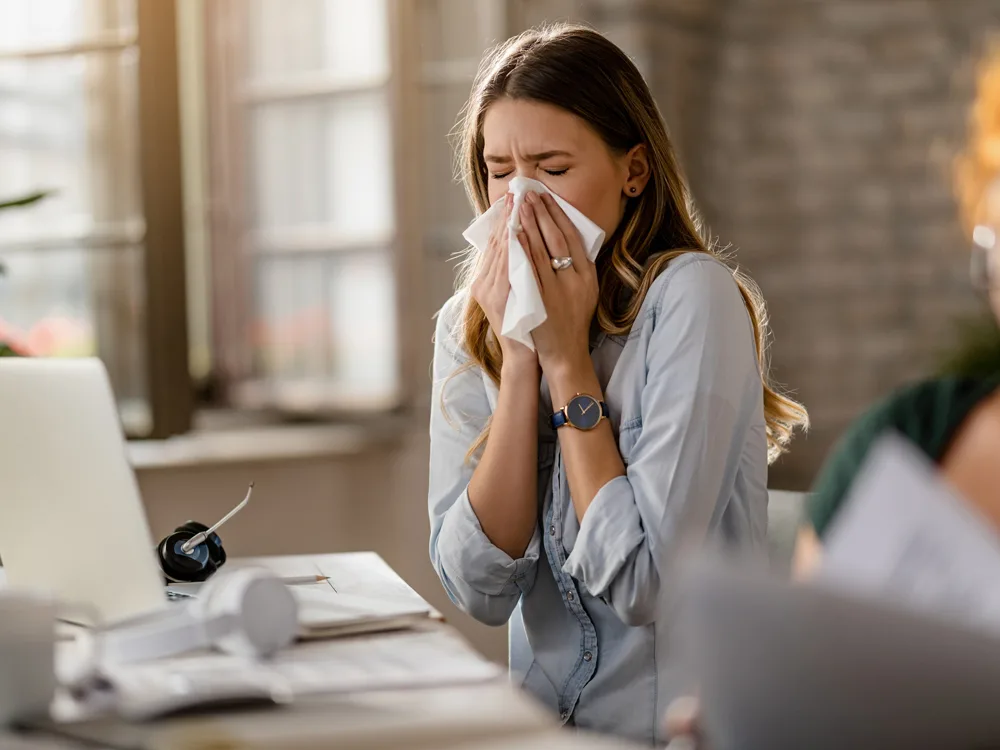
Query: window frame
{"x": 168, "y": 372}
{"x": 234, "y": 244}
{"x": 160, "y": 233}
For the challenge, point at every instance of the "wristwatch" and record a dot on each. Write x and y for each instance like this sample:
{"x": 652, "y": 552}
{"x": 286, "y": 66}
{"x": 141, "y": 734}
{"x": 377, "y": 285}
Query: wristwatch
{"x": 584, "y": 412}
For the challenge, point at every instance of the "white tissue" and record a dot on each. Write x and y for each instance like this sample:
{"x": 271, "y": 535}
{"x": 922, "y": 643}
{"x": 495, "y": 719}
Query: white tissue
{"x": 525, "y": 311}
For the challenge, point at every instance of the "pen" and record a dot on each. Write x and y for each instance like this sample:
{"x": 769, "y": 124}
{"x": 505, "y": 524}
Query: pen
{"x": 293, "y": 580}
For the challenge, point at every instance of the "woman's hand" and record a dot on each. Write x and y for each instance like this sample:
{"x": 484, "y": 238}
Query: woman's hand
{"x": 492, "y": 287}
{"x": 682, "y": 725}
{"x": 569, "y": 295}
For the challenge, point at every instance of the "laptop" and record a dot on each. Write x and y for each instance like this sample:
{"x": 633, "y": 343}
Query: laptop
{"x": 781, "y": 665}
{"x": 72, "y": 523}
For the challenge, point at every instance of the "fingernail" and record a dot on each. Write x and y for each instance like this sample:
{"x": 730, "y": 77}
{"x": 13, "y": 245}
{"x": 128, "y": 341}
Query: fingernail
{"x": 525, "y": 210}
{"x": 532, "y": 197}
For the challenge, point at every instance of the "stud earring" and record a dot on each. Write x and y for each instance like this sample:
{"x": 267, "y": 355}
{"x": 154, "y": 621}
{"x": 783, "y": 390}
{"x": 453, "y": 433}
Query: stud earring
{"x": 632, "y": 190}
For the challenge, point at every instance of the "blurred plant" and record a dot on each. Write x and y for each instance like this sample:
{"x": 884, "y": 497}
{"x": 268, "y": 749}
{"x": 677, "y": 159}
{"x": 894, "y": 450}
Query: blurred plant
{"x": 9, "y": 345}
{"x": 26, "y": 200}
{"x": 977, "y": 350}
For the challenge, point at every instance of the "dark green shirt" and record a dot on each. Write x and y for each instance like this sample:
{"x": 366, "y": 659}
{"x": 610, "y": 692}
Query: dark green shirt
{"x": 929, "y": 413}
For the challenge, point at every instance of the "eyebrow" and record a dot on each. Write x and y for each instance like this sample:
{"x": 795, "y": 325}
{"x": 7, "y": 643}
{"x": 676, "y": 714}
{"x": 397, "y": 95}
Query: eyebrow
{"x": 530, "y": 157}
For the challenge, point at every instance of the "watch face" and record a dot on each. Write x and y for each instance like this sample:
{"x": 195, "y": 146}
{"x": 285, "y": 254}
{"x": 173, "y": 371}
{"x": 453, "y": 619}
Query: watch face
{"x": 584, "y": 412}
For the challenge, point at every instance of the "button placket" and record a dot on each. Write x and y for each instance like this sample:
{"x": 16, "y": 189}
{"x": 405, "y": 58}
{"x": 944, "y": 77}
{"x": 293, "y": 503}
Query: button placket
{"x": 583, "y": 670}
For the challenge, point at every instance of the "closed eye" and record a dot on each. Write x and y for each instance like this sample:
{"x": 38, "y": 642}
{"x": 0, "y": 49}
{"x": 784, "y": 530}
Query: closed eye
{"x": 505, "y": 175}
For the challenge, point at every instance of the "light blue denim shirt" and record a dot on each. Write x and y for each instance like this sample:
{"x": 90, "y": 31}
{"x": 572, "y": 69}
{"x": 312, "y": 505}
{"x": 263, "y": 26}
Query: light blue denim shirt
{"x": 588, "y": 626}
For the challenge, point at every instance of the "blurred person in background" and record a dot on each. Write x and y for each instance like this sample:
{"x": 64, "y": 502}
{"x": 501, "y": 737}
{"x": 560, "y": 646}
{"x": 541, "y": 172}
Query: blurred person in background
{"x": 954, "y": 418}
{"x": 564, "y": 530}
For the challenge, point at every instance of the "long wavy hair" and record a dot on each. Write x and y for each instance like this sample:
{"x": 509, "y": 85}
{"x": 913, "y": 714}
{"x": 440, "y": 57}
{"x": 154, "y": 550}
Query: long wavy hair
{"x": 580, "y": 71}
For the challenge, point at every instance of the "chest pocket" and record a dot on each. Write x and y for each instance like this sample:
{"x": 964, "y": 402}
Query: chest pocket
{"x": 628, "y": 435}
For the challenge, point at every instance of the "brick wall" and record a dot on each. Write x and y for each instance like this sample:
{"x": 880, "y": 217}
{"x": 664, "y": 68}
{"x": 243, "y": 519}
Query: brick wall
{"x": 817, "y": 135}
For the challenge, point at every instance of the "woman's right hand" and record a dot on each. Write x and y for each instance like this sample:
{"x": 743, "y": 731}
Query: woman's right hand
{"x": 491, "y": 289}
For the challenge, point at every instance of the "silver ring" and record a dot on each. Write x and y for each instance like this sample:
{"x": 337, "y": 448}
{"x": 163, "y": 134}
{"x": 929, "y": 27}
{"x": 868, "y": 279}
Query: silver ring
{"x": 561, "y": 264}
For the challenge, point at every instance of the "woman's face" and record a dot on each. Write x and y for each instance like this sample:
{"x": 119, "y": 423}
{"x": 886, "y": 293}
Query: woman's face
{"x": 557, "y": 148}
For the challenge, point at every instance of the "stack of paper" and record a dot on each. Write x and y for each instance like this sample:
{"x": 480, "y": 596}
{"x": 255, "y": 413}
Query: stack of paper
{"x": 346, "y": 604}
{"x": 324, "y": 613}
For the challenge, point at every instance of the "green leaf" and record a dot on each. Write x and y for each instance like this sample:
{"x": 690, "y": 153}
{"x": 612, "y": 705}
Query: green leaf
{"x": 25, "y": 200}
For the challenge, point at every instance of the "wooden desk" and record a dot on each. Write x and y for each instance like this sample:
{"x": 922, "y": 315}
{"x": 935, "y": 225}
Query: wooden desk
{"x": 481, "y": 715}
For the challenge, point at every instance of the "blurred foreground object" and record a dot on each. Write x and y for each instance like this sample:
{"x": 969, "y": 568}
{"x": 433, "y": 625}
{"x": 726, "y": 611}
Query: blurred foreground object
{"x": 895, "y": 642}
{"x": 827, "y": 669}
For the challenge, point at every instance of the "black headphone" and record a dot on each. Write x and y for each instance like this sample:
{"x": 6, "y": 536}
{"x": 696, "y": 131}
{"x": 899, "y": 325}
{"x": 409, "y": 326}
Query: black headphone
{"x": 185, "y": 562}
{"x": 190, "y": 567}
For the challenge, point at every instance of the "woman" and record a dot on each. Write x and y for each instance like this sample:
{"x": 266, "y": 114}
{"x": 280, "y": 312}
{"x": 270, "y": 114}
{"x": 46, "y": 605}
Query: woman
{"x": 565, "y": 530}
{"x": 953, "y": 419}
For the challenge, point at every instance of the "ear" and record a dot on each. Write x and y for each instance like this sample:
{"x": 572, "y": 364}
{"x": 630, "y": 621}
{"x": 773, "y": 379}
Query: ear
{"x": 637, "y": 163}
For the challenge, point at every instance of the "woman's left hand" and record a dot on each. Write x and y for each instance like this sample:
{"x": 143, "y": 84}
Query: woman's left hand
{"x": 569, "y": 295}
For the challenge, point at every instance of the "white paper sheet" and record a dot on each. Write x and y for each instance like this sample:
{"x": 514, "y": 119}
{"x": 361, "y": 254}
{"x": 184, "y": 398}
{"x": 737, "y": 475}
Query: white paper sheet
{"x": 388, "y": 661}
{"x": 905, "y": 536}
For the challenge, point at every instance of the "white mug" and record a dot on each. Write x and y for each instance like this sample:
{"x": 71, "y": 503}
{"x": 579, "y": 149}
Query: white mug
{"x": 29, "y": 671}
{"x": 27, "y": 655}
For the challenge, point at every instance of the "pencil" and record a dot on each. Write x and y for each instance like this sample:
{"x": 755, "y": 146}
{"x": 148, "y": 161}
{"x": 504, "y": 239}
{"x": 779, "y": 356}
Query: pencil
{"x": 294, "y": 580}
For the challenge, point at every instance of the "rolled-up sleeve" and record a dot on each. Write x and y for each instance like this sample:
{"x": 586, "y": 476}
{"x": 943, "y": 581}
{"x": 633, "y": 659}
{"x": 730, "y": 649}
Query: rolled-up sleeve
{"x": 480, "y": 578}
{"x": 698, "y": 400}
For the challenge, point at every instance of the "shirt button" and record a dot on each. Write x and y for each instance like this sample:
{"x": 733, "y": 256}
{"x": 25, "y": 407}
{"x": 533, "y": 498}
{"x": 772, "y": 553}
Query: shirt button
{"x": 570, "y": 597}
{"x": 587, "y": 656}
{"x": 552, "y": 530}
{"x": 564, "y": 715}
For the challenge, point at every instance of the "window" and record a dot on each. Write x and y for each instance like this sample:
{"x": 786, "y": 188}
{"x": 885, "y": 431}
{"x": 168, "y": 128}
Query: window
{"x": 305, "y": 229}
{"x": 336, "y": 216}
{"x": 93, "y": 268}
{"x": 289, "y": 249}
